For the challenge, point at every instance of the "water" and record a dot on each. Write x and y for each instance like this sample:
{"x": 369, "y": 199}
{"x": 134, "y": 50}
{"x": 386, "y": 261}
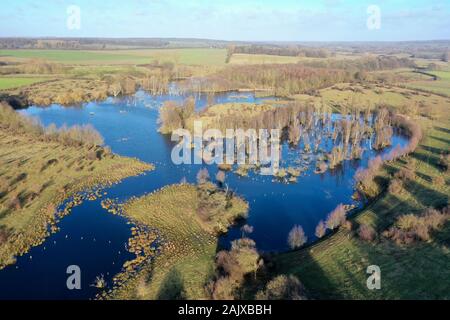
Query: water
{"x": 95, "y": 240}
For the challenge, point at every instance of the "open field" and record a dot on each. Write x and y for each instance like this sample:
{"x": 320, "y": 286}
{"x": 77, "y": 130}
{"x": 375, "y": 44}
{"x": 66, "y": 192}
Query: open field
{"x": 407, "y": 99}
{"x": 186, "y": 261}
{"x": 37, "y": 175}
{"x": 335, "y": 268}
{"x": 202, "y": 56}
{"x": 16, "y": 82}
{"x": 440, "y": 86}
{"x": 244, "y": 58}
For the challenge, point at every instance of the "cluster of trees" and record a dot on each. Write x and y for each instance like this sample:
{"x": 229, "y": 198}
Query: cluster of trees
{"x": 173, "y": 116}
{"x": 363, "y": 64}
{"x": 410, "y": 228}
{"x": 335, "y": 219}
{"x": 232, "y": 267}
{"x": 282, "y": 79}
{"x": 242, "y": 265}
{"x": 365, "y": 178}
{"x": 292, "y": 51}
{"x": 367, "y": 233}
{"x": 383, "y": 130}
{"x": 283, "y": 287}
{"x": 74, "y": 136}
{"x": 79, "y": 43}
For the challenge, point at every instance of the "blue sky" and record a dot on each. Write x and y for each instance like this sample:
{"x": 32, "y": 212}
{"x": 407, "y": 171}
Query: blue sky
{"x": 283, "y": 20}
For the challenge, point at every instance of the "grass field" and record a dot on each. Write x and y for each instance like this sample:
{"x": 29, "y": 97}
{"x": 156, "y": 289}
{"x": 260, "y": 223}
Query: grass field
{"x": 35, "y": 176}
{"x": 186, "y": 261}
{"x": 346, "y": 94}
{"x": 440, "y": 86}
{"x": 241, "y": 58}
{"x": 335, "y": 268}
{"x": 15, "y": 82}
{"x": 206, "y": 57}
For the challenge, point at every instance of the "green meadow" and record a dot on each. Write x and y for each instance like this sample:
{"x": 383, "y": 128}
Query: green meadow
{"x": 201, "y": 56}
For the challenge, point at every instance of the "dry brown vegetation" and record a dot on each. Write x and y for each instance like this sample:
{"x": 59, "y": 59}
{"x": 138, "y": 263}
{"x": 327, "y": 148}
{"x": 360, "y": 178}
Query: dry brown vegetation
{"x": 410, "y": 227}
{"x": 283, "y": 288}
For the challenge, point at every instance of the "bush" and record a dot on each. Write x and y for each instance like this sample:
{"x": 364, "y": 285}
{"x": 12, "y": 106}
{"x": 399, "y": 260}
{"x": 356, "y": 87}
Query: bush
{"x": 439, "y": 181}
{"x": 321, "y": 229}
{"x": 283, "y": 288}
{"x": 297, "y": 237}
{"x": 203, "y": 176}
{"x": 395, "y": 187}
{"x": 444, "y": 161}
{"x": 4, "y": 235}
{"x": 411, "y": 227}
{"x": 220, "y": 177}
{"x": 405, "y": 174}
{"x": 232, "y": 266}
{"x": 367, "y": 233}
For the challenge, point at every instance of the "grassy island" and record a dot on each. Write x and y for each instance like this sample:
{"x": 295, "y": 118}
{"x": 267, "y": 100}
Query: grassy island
{"x": 189, "y": 219}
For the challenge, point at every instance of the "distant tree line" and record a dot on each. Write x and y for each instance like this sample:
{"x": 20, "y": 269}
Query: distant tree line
{"x": 363, "y": 64}
{"x": 290, "y": 51}
{"x": 85, "y": 136}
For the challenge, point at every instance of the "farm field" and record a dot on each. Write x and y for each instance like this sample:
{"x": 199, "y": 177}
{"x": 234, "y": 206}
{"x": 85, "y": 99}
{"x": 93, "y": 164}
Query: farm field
{"x": 16, "y": 82}
{"x": 201, "y": 56}
{"x": 440, "y": 86}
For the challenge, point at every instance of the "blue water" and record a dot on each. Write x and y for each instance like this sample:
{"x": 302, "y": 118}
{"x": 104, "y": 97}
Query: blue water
{"x": 95, "y": 240}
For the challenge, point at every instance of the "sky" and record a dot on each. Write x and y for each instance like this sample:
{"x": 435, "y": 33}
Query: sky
{"x": 247, "y": 20}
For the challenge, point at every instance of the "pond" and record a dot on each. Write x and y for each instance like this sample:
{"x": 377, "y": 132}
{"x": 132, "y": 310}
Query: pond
{"x": 95, "y": 240}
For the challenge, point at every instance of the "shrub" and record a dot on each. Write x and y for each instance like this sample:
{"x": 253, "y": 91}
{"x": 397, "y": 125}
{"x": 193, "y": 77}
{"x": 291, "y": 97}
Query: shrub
{"x": 220, "y": 177}
{"x": 348, "y": 225}
{"x": 232, "y": 266}
{"x": 247, "y": 229}
{"x": 405, "y": 174}
{"x": 444, "y": 161}
{"x": 337, "y": 217}
{"x": 283, "y": 288}
{"x": 366, "y": 233}
{"x": 411, "y": 227}
{"x": 395, "y": 187}
{"x": 439, "y": 181}
{"x": 15, "y": 203}
{"x": 321, "y": 229}
{"x": 203, "y": 176}
{"x": 297, "y": 237}
{"x": 4, "y": 235}
{"x": 223, "y": 288}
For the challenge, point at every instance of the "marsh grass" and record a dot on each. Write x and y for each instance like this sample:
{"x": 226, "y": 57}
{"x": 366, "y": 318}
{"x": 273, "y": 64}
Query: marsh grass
{"x": 37, "y": 174}
{"x": 186, "y": 261}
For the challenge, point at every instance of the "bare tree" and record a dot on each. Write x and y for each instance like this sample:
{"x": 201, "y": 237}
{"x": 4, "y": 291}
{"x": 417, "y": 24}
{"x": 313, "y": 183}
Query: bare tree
{"x": 321, "y": 229}
{"x": 297, "y": 237}
{"x": 337, "y": 217}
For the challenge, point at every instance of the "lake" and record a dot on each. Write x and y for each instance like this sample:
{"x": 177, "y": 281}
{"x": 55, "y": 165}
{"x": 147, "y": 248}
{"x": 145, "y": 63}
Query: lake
{"x": 95, "y": 240}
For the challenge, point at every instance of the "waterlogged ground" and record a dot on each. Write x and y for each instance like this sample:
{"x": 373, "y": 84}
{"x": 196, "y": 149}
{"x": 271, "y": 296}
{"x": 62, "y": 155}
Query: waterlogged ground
{"x": 95, "y": 240}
